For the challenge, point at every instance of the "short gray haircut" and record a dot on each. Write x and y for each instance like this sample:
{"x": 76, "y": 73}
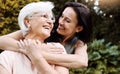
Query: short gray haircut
{"x": 30, "y": 9}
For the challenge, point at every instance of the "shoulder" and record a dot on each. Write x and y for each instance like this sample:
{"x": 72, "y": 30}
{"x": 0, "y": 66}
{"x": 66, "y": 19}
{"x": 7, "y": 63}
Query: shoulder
{"x": 6, "y": 59}
{"x": 9, "y": 55}
{"x": 57, "y": 45}
{"x": 10, "y": 60}
{"x": 80, "y": 44}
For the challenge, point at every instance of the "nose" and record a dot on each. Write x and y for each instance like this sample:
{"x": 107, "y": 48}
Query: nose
{"x": 61, "y": 21}
{"x": 50, "y": 22}
{"x": 50, "y": 19}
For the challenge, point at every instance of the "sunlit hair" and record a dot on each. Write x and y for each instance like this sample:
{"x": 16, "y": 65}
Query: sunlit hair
{"x": 30, "y": 9}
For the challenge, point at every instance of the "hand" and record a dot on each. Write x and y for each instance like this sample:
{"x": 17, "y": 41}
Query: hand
{"x": 55, "y": 48}
{"x": 30, "y": 47}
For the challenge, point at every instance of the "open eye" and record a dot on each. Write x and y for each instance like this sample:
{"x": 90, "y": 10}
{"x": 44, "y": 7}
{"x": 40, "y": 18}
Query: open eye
{"x": 45, "y": 16}
{"x": 53, "y": 19}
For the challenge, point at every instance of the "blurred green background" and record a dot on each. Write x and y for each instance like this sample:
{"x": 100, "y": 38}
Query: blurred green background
{"x": 103, "y": 50}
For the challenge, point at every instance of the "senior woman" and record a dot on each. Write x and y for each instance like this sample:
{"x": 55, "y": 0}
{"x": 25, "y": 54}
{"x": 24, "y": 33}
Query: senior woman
{"x": 35, "y": 21}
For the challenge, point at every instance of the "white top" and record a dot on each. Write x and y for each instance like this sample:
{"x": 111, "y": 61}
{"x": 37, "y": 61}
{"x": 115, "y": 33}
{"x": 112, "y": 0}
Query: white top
{"x": 18, "y": 63}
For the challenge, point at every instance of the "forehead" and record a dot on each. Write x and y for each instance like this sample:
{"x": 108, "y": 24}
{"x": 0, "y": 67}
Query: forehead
{"x": 48, "y": 13}
{"x": 44, "y": 12}
{"x": 69, "y": 12}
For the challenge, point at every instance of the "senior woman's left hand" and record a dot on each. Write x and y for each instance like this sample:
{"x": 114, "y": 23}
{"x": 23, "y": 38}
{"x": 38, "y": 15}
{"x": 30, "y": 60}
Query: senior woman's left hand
{"x": 30, "y": 46}
{"x": 35, "y": 46}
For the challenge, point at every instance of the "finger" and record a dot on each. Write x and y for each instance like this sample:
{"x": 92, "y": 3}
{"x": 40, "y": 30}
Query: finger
{"x": 34, "y": 42}
{"x": 25, "y": 42}
{"x": 21, "y": 43}
{"x": 20, "y": 47}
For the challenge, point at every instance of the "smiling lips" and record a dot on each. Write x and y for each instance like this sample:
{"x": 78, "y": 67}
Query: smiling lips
{"x": 47, "y": 27}
{"x": 61, "y": 28}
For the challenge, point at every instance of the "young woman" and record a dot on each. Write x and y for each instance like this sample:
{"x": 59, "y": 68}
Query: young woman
{"x": 72, "y": 29}
{"x": 35, "y": 21}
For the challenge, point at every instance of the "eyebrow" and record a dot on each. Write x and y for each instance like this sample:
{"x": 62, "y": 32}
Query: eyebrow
{"x": 67, "y": 17}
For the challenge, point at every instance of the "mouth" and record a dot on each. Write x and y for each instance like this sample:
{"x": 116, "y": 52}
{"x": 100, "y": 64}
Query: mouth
{"x": 61, "y": 28}
{"x": 47, "y": 27}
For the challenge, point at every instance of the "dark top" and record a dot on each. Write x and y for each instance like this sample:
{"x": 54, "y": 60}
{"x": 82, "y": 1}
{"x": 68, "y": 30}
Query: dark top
{"x": 70, "y": 46}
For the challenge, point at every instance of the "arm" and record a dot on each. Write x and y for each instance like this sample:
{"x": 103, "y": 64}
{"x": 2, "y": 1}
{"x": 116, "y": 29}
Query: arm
{"x": 9, "y": 41}
{"x": 44, "y": 67}
{"x": 77, "y": 60}
{"x": 32, "y": 51}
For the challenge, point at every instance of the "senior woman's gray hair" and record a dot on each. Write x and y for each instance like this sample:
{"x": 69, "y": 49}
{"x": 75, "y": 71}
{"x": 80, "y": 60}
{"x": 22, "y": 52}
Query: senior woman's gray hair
{"x": 32, "y": 8}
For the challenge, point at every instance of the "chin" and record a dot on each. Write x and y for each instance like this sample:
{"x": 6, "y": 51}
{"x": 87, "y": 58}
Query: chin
{"x": 47, "y": 35}
{"x": 58, "y": 31}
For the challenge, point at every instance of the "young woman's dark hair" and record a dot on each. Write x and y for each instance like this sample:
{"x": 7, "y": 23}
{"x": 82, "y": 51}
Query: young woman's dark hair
{"x": 84, "y": 19}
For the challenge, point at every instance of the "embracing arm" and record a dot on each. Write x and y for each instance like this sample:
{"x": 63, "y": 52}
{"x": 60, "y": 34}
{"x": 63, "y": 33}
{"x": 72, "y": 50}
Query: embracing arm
{"x": 77, "y": 60}
{"x": 33, "y": 52}
{"x": 9, "y": 41}
{"x": 45, "y": 68}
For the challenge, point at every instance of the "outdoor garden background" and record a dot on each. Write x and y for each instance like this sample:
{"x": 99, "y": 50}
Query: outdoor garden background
{"x": 104, "y": 48}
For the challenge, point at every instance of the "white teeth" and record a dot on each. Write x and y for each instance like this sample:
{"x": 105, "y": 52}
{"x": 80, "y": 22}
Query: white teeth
{"x": 46, "y": 27}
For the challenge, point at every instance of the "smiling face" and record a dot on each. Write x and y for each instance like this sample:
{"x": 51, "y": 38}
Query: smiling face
{"x": 40, "y": 25}
{"x": 68, "y": 23}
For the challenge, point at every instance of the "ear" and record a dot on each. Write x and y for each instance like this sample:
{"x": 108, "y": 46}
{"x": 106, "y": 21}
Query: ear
{"x": 27, "y": 22}
{"x": 79, "y": 28}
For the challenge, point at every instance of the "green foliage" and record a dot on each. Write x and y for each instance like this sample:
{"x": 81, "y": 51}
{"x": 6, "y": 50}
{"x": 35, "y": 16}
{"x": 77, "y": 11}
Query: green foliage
{"x": 104, "y": 58}
{"x": 104, "y": 26}
{"x": 9, "y": 10}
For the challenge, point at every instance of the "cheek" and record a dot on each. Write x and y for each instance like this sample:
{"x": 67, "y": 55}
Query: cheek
{"x": 71, "y": 28}
{"x": 36, "y": 26}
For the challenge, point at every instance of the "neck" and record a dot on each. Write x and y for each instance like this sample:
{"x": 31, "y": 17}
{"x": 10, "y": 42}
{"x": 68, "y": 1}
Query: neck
{"x": 64, "y": 40}
{"x": 34, "y": 36}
